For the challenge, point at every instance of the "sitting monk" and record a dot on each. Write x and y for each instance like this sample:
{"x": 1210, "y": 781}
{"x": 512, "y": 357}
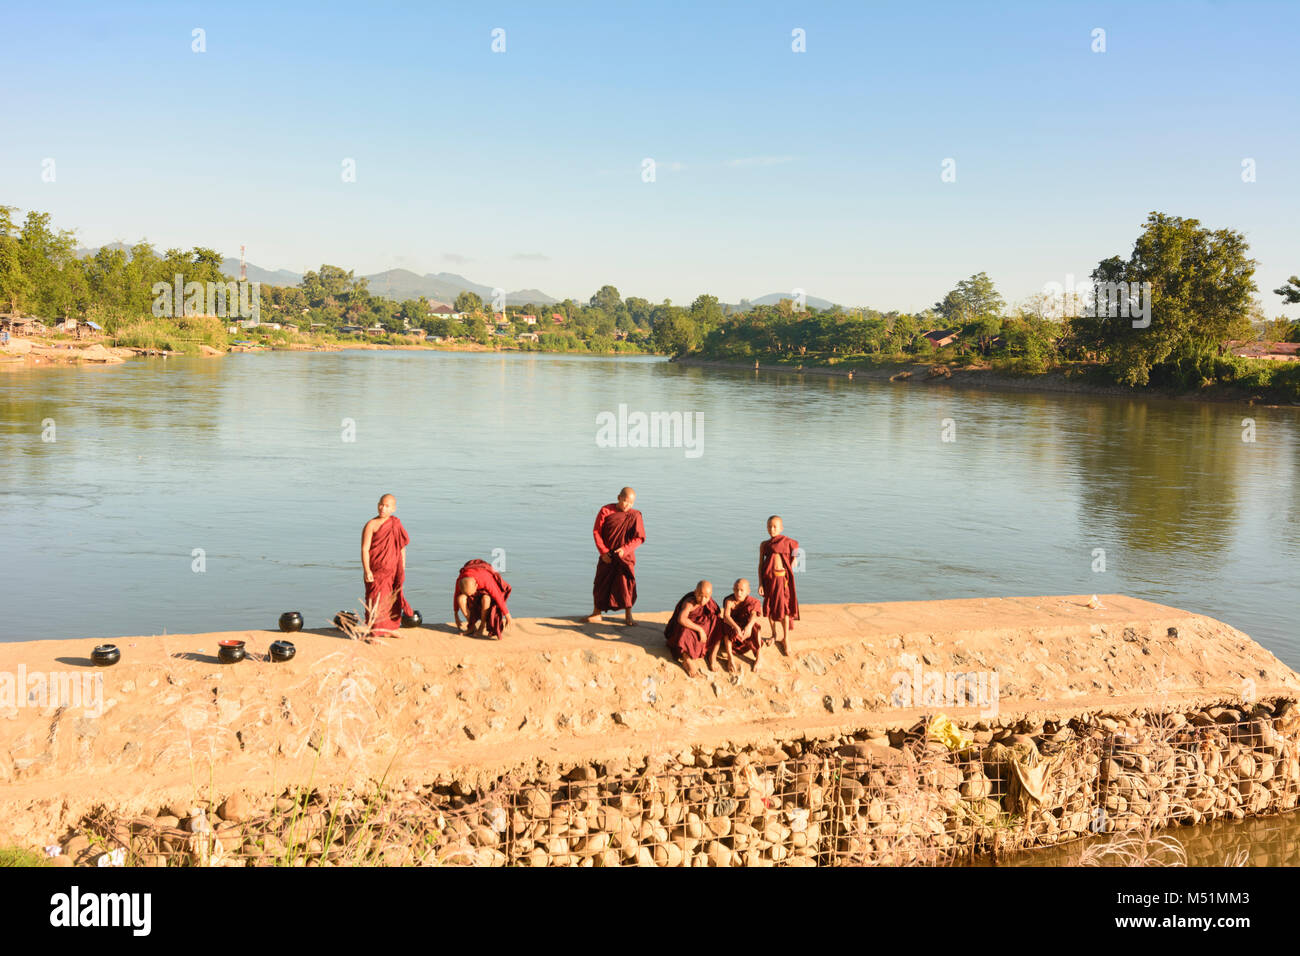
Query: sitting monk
{"x": 481, "y": 595}
{"x": 383, "y": 559}
{"x": 693, "y": 627}
{"x": 776, "y": 581}
{"x": 741, "y": 617}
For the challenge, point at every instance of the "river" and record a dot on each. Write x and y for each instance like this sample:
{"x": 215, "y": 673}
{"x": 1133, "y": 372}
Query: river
{"x": 194, "y": 494}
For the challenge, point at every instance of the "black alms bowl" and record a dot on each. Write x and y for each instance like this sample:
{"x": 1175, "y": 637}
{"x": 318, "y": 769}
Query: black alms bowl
{"x": 414, "y": 619}
{"x": 230, "y": 652}
{"x": 282, "y": 651}
{"x": 105, "y": 655}
{"x": 291, "y": 621}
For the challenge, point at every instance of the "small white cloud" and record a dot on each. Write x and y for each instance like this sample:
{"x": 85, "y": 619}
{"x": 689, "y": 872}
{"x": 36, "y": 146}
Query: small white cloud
{"x": 531, "y": 257}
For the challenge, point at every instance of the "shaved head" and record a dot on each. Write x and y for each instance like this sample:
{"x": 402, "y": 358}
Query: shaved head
{"x": 627, "y": 498}
{"x": 467, "y": 585}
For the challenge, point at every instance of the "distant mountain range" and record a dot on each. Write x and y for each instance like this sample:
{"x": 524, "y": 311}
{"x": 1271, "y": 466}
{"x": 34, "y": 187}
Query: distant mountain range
{"x": 402, "y": 284}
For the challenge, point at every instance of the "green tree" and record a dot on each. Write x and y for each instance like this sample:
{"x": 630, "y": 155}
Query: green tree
{"x": 1290, "y": 291}
{"x": 973, "y": 299}
{"x": 468, "y": 302}
{"x": 1201, "y": 282}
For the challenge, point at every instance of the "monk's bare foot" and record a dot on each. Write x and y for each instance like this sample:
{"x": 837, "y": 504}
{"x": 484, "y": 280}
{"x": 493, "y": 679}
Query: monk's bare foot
{"x": 594, "y": 618}
{"x": 731, "y": 665}
{"x": 784, "y": 647}
{"x": 691, "y": 666}
{"x": 754, "y": 666}
{"x": 627, "y": 618}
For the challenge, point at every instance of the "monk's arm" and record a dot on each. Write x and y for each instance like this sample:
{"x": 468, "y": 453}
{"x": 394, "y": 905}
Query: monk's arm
{"x": 403, "y": 562}
{"x": 726, "y": 615}
{"x": 601, "y": 546}
{"x": 366, "y": 534}
{"x": 458, "y": 608}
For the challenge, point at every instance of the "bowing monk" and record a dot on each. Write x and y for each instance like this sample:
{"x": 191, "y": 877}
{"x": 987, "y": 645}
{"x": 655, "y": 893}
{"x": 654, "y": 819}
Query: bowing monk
{"x": 776, "y": 581}
{"x": 692, "y": 629}
{"x": 619, "y": 531}
{"x": 741, "y": 617}
{"x": 481, "y": 595}
{"x": 383, "y": 559}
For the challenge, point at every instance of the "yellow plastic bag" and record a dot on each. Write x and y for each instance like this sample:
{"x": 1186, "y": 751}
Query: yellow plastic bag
{"x": 948, "y": 733}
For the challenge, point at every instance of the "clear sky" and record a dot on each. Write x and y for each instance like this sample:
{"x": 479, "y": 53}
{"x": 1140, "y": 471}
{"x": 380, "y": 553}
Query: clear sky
{"x": 774, "y": 169}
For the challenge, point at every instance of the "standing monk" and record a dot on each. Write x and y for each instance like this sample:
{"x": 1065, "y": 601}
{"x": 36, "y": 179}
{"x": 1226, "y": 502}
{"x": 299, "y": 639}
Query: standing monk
{"x": 383, "y": 559}
{"x": 481, "y": 595}
{"x": 619, "y": 531}
{"x": 693, "y": 628}
{"x": 776, "y": 581}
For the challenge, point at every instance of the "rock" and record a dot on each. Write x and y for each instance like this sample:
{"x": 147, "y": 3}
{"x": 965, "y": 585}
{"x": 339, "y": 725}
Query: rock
{"x": 234, "y": 809}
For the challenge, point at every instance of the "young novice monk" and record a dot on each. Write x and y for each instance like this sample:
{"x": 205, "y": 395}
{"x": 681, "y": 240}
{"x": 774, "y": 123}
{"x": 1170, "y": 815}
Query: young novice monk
{"x": 691, "y": 627}
{"x": 481, "y": 595}
{"x": 383, "y": 561}
{"x": 776, "y": 581}
{"x": 741, "y": 616}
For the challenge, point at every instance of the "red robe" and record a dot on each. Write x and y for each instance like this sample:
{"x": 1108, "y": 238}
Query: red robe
{"x": 742, "y": 612}
{"x": 779, "y": 598}
{"x": 615, "y": 585}
{"x": 685, "y": 642}
{"x": 494, "y": 586}
{"x": 386, "y": 546}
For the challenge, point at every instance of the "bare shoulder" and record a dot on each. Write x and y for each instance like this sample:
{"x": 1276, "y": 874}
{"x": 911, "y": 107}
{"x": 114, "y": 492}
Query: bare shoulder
{"x": 372, "y": 524}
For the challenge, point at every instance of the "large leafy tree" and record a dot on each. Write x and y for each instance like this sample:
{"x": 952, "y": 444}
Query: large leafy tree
{"x": 468, "y": 302}
{"x": 1201, "y": 282}
{"x": 974, "y": 300}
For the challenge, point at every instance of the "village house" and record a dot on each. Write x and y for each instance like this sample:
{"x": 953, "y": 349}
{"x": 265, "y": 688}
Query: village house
{"x": 941, "y": 337}
{"x": 21, "y": 324}
{"x": 557, "y": 318}
{"x": 528, "y": 319}
{"x": 528, "y": 337}
{"x": 1268, "y": 351}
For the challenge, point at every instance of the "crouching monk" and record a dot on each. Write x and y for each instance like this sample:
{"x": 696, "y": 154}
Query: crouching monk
{"x": 619, "y": 531}
{"x": 694, "y": 627}
{"x": 383, "y": 559}
{"x": 741, "y": 617}
{"x": 480, "y": 596}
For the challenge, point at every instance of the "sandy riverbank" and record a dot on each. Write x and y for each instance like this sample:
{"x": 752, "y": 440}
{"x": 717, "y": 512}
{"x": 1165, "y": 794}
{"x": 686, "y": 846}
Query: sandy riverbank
{"x": 177, "y": 724}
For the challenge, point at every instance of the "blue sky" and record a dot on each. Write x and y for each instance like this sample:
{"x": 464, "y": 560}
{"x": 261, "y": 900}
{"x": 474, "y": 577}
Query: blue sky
{"x": 774, "y": 169}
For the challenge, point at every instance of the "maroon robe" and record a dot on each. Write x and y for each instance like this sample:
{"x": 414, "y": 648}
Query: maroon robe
{"x": 742, "y": 612}
{"x": 615, "y": 585}
{"x": 494, "y": 586}
{"x": 386, "y": 546}
{"x": 682, "y": 640}
{"x": 779, "y": 598}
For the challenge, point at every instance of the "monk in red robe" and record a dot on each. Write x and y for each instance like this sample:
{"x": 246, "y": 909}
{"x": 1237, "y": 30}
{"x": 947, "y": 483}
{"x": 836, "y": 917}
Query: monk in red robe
{"x": 742, "y": 615}
{"x": 481, "y": 595}
{"x": 383, "y": 559}
{"x": 693, "y": 628}
{"x": 776, "y": 581}
{"x": 619, "y": 531}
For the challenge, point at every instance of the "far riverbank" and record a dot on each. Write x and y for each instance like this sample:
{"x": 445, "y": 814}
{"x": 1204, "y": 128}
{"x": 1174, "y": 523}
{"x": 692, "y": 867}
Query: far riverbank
{"x": 929, "y": 374}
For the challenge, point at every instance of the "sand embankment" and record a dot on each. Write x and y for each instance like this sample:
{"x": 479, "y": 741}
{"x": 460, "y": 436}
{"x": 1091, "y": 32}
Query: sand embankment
{"x": 176, "y": 723}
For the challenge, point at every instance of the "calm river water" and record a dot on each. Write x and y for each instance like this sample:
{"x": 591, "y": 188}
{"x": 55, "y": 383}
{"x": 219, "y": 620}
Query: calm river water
{"x": 244, "y": 462}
